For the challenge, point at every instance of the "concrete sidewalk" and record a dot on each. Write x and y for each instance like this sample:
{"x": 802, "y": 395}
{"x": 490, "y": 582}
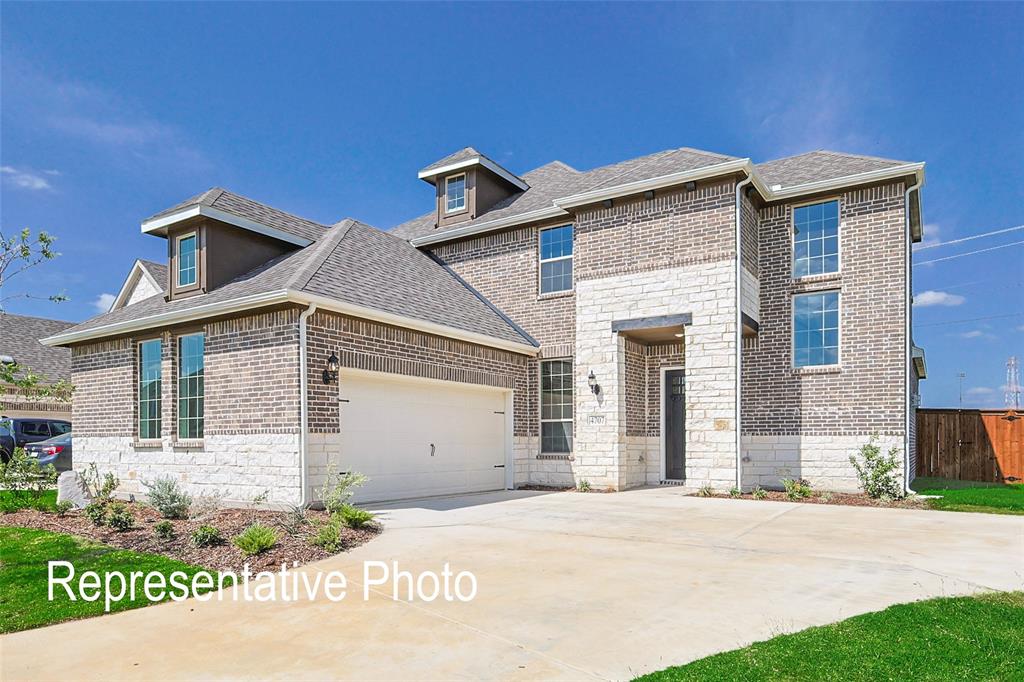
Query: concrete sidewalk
{"x": 571, "y": 586}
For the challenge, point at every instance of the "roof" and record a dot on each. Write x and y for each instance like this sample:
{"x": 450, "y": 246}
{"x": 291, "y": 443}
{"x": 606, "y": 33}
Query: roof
{"x": 352, "y": 264}
{"x": 463, "y": 154}
{"x": 555, "y": 184}
{"x": 158, "y": 271}
{"x": 468, "y": 157}
{"x": 235, "y": 205}
{"x": 19, "y": 339}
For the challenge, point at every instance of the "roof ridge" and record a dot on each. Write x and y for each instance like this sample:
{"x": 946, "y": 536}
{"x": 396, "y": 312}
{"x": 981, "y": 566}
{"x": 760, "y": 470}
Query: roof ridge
{"x": 36, "y": 317}
{"x": 228, "y": 192}
{"x": 832, "y": 152}
{"x": 651, "y": 158}
{"x": 320, "y": 253}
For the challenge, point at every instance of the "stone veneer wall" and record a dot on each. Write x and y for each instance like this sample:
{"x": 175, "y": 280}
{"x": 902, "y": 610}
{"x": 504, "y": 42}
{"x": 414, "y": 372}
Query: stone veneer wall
{"x": 806, "y": 422}
{"x": 251, "y": 434}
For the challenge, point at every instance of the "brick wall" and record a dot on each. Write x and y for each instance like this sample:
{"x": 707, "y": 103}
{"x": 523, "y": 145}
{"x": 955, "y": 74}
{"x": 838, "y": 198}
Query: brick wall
{"x": 104, "y": 378}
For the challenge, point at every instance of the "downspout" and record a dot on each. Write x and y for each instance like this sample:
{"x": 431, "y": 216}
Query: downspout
{"x": 303, "y": 407}
{"x": 908, "y": 304}
{"x": 739, "y": 328}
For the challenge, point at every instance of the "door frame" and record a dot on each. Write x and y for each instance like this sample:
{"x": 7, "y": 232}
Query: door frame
{"x": 661, "y": 410}
{"x": 509, "y": 395}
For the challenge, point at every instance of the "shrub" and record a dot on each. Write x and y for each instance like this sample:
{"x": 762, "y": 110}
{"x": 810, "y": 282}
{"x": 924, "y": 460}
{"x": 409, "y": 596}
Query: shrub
{"x": 164, "y": 530}
{"x": 97, "y": 513}
{"x": 825, "y": 496}
{"x": 25, "y": 482}
{"x": 583, "y": 486}
{"x": 735, "y": 492}
{"x": 63, "y": 507}
{"x": 255, "y": 539}
{"x": 796, "y": 488}
{"x": 206, "y": 536}
{"x": 878, "y": 474}
{"x": 119, "y": 517}
{"x": 295, "y": 521}
{"x": 353, "y": 517}
{"x": 337, "y": 490}
{"x": 706, "y": 490}
{"x": 328, "y": 535}
{"x": 167, "y": 497}
{"x": 99, "y": 489}
{"x": 759, "y": 493}
{"x": 206, "y": 505}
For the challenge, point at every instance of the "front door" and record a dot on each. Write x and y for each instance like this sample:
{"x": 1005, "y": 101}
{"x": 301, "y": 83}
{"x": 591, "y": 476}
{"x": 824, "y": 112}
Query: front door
{"x": 674, "y": 406}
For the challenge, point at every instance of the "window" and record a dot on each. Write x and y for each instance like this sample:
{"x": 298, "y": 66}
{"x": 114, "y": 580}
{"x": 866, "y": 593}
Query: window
{"x": 816, "y": 239}
{"x": 35, "y": 429}
{"x": 455, "y": 193}
{"x": 150, "y": 386}
{"x": 556, "y": 259}
{"x": 187, "y": 260}
{"x": 816, "y": 329}
{"x": 190, "y": 386}
{"x": 60, "y": 428}
{"x": 556, "y": 406}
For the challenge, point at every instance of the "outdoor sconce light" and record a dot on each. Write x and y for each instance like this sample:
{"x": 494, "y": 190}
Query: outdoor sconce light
{"x": 690, "y": 186}
{"x": 331, "y": 372}
{"x": 595, "y": 388}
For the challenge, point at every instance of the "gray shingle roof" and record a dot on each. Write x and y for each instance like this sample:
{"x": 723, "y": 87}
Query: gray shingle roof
{"x": 455, "y": 157}
{"x": 819, "y": 165}
{"x": 243, "y": 207}
{"x": 158, "y": 271}
{"x": 356, "y": 264}
{"x": 19, "y": 338}
{"x": 556, "y": 179}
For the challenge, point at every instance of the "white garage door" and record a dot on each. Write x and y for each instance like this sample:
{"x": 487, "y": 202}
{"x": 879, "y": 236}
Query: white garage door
{"x": 415, "y": 438}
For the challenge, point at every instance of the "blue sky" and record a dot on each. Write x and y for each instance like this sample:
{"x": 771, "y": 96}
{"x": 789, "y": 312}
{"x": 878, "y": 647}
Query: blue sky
{"x": 113, "y": 112}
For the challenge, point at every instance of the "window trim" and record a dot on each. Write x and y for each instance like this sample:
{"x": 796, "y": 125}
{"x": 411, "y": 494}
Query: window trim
{"x": 839, "y": 238}
{"x": 138, "y": 381}
{"x": 540, "y": 406}
{"x": 177, "y": 387}
{"x": 465, "y": 193}
{"x": 792, "y": 329}
{"x": 177, "y": 261}
{"x": 541, "y": 261}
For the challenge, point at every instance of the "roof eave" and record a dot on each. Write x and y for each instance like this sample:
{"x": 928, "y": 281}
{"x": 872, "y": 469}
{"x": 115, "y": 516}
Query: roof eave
{"x": 469, "y": 230}
{"x": 430, "y": 174}
{"x": 915, "y": 169}
{"x": 127, "y": 287}
{"x": 158, "y": 226}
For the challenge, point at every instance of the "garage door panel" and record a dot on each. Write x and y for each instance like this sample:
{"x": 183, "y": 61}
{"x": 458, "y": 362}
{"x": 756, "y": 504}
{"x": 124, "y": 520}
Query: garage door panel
{"x": 388, "y": 426}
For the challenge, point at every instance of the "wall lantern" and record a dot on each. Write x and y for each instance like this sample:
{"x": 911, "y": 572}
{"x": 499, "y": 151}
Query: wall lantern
{"x": 331, "y": 372}
{"x": 595, "y": 388}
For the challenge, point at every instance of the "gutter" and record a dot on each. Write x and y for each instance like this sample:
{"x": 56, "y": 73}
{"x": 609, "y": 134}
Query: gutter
{"x": 907, "y": 321}
{"x": 739, "y": 329}
{"x": 303, "y": 406}
{"x": 159, "y": 225}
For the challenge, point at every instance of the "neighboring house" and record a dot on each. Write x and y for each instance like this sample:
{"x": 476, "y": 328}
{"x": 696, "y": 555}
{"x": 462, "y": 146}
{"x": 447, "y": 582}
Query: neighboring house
{"x": 19, "y": 343}
{"x": 681, "y": 318}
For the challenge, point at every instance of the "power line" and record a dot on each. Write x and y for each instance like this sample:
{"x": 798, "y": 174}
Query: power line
{"x": 967, "y": 239}
{"x": 973, "y": 319}
{"x": 969, "y": 253}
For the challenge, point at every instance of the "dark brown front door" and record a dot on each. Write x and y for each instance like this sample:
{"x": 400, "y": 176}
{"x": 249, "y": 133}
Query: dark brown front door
{"x": 674, "y": 398}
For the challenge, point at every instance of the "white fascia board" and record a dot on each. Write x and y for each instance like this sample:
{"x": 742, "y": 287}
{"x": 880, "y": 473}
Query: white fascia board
{"x": 592, "y": 196}
{"x": 169, "y": 318}
{"x": 469, "y": 230}
{"x": 428, "y": 175}
{"x": 129, "y": 283}
{"x": 159, "y": 225}
{"x": 915, "y": 169}
{"x": 333, "y": 304}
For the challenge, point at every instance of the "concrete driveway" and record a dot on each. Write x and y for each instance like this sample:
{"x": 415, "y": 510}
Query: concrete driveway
{"x": 571, "y": 586}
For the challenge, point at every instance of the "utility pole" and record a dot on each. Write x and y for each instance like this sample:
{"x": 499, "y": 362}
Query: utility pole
{"x": 1012, "y": 384}
{"x": 961, "y": 376}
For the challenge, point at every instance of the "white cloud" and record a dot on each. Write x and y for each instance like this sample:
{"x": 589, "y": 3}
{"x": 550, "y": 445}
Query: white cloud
{"x": 932, "y": 298}
{"x": 980, "y": 391}
{"x": 103, "y": 302}
{"x": 25, "y": 179}
{"x": 977, "y": 334}
{"x": 1020, "y": 328}
{"x": 932, "y": 235}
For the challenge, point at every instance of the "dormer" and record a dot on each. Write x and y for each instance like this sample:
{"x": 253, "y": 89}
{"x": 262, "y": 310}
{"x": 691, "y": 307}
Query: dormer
{"x": 216, "y": 236}
{"x": 467, "y": 184}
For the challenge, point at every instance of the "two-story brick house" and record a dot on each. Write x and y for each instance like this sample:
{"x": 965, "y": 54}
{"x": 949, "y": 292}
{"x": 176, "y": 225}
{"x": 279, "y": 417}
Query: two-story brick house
{"x": 685, "y": 317}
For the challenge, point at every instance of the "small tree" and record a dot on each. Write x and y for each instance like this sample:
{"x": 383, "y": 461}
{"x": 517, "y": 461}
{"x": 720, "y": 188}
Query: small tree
{"x": 878, "y": 474}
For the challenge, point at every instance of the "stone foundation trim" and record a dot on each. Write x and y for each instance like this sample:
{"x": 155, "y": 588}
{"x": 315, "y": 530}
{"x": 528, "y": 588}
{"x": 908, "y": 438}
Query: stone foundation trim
{"x": 679, "y": 320}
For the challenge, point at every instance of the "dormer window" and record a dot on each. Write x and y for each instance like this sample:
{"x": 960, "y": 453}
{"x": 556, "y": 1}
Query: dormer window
{"x": 186, "y": 259}
{"x": 455, "y": 193}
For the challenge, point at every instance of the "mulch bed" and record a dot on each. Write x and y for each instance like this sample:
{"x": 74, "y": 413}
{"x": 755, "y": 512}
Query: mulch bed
{"x": 844, "y": 499}
{"x": 230, "y": 522}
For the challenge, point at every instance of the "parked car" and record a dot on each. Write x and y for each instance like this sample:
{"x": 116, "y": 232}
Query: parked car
{"x": 6, "y": 439}
{"x": 55, "y": 451}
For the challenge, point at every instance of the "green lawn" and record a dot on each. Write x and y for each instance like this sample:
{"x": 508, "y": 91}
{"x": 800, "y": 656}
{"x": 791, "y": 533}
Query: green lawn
{"x": 962, "y": 638}
{"x": 24, "y": 554}
{"x": 13, "y": 500}
{"x": 969, "y": 496}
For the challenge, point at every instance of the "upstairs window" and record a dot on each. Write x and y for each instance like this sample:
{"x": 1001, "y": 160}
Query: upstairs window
{"x": 191, "y": 392}
{"x": 455, "y": 193}
{"x": 150, "y": 382}
{"x": 556, "y": 406}
{"x": 816, "y": 239}
{"x": 816, "y": 329}
{"x": 187, "y": 260}
{"x": 556, "y": 259}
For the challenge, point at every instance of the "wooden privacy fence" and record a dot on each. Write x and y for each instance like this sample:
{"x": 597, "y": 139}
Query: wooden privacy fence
{"x": 971, "y": 445}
